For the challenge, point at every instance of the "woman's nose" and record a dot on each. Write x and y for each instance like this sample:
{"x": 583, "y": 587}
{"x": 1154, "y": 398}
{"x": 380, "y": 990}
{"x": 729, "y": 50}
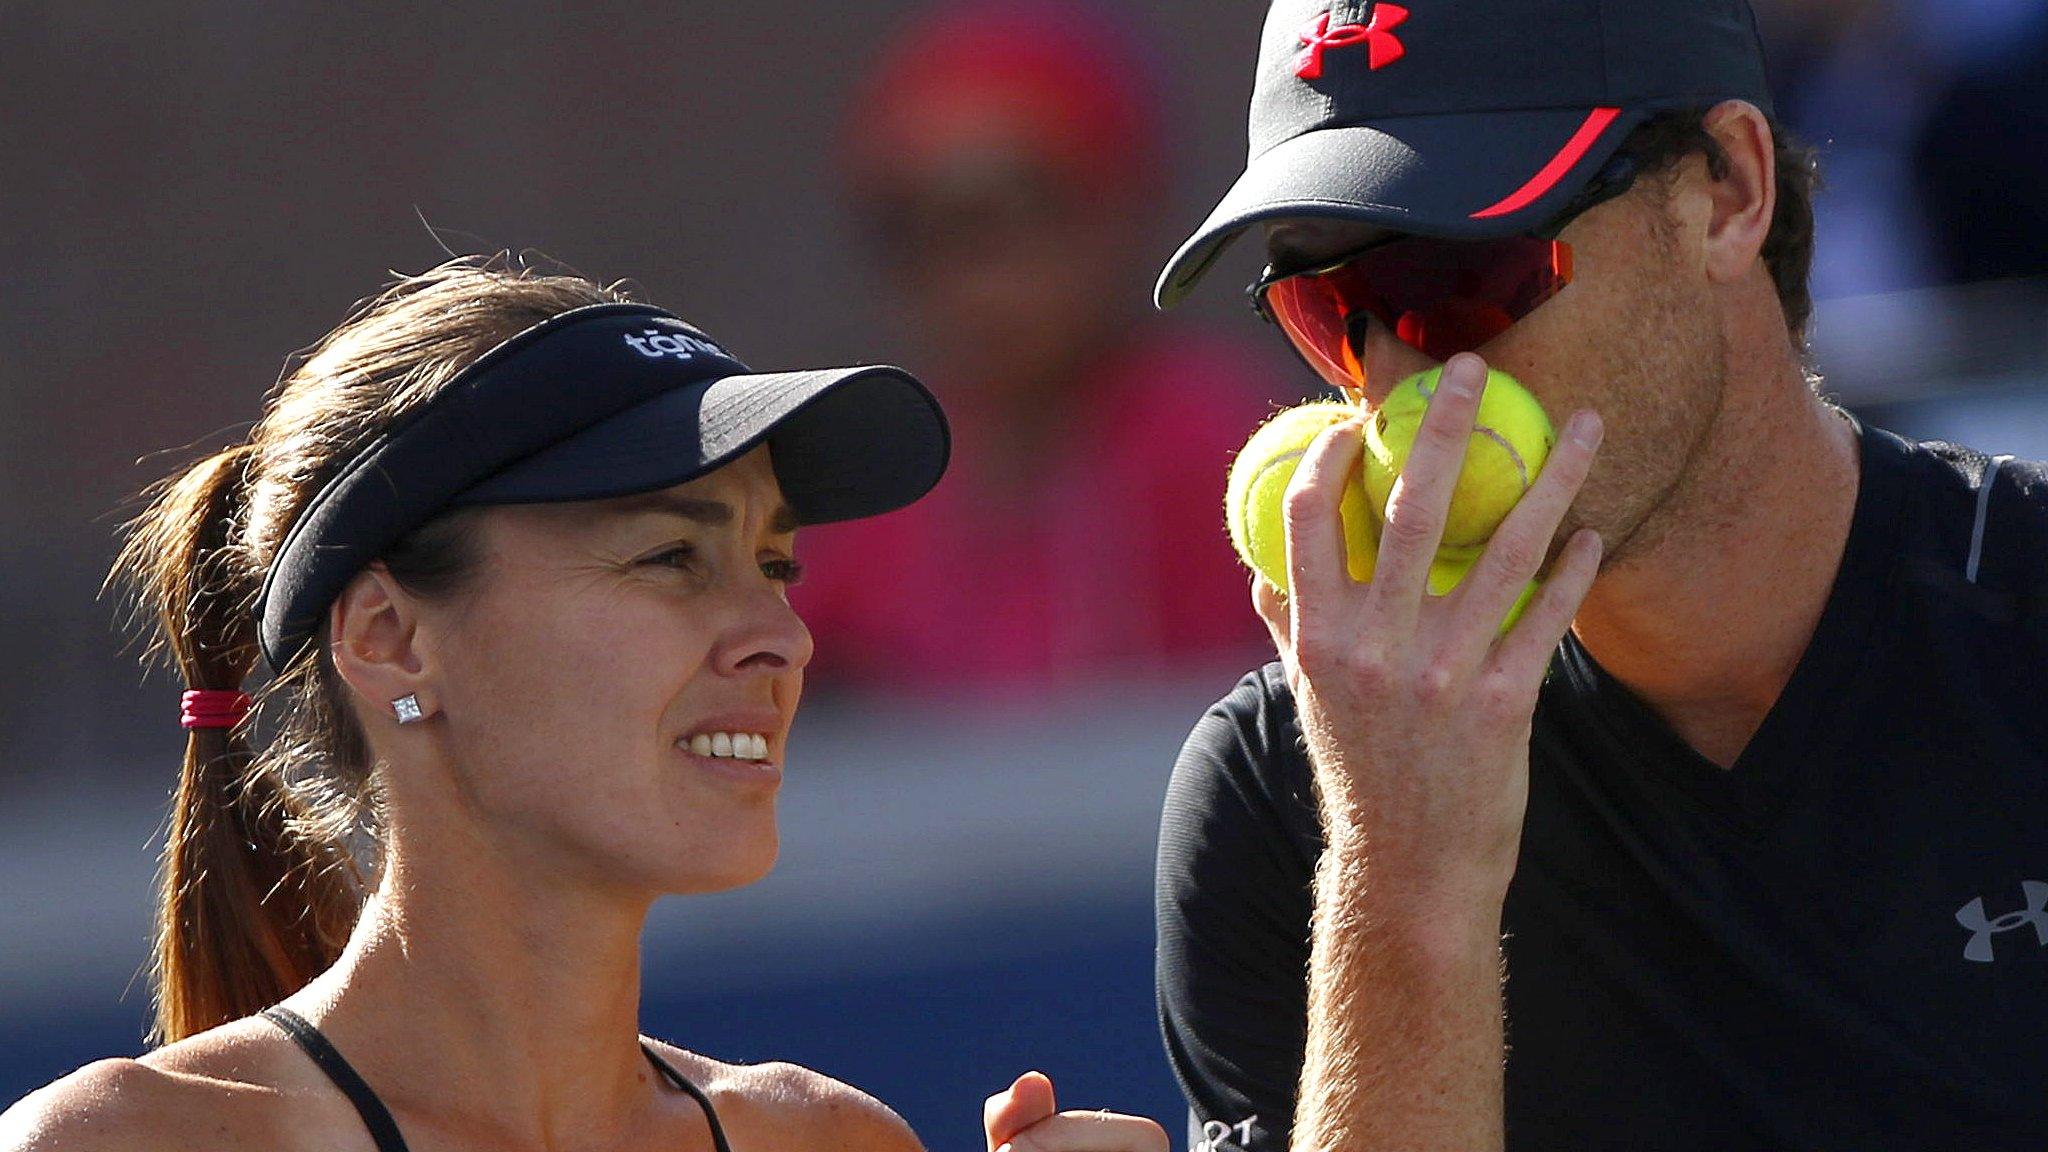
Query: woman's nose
{"x": 768, "y": 636}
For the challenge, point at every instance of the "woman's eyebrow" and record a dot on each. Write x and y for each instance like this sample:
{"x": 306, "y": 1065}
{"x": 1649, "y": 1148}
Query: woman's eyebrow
{"x": 701, "y": 511}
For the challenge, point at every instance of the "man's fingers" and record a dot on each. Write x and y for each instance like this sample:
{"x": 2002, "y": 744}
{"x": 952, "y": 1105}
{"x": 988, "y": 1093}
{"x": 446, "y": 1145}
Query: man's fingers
{"x": 1516, "y": 552}
{"x": 1422, "y": 496}
{"x": 1092, "y": 1132}
{"x": 1316, "y": 566}
{"x": 1528, "y": 645}
{"x": 1536, "y": 515}
{"x": 1271, "y": 605}
{"x": 1026, "y": 1102}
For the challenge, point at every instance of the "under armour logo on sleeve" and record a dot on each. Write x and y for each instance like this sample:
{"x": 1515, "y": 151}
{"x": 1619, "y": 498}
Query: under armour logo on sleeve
{"x": 1982, "y": 928}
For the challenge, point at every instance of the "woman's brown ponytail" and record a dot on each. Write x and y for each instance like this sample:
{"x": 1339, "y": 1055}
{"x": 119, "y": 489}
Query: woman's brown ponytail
{"x": 250, "y": 905}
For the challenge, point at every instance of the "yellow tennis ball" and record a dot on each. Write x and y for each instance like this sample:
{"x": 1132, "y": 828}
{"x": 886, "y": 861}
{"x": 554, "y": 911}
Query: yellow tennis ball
{"x": 1448, "y": 570}
{"x": 1254, "y": 505}
{"x": 1511, "y": 437}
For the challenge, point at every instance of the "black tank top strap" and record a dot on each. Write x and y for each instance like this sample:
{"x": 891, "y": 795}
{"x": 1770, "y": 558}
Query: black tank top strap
{"x": 377, "y": 1118}
{"x": 681, "y": 1081}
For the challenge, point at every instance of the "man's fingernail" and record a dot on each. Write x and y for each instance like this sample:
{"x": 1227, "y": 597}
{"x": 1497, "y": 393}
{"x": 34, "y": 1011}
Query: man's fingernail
{"x": 1585, "y": 427}
{"x": 1003, "y": 1148}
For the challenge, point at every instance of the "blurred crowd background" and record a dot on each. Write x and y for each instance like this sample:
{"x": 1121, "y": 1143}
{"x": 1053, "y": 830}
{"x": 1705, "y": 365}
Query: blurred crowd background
{"x": 982, "y": 193}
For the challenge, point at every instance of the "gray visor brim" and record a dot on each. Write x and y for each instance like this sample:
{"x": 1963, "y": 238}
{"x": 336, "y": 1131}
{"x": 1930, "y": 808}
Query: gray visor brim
{"x": 845, "y": 443}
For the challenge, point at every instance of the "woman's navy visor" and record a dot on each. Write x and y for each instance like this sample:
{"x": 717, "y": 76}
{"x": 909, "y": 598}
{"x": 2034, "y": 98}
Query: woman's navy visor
{"x": 604, "y": 401}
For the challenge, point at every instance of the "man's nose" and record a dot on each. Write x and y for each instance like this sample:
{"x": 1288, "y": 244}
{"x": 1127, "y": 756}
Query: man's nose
{"x": 1387, "y": 360}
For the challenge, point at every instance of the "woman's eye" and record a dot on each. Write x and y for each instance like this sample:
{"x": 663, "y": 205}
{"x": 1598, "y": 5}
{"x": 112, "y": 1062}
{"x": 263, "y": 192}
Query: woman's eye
{"x": 680, "y": 556}
{"x": 784, "y": 569}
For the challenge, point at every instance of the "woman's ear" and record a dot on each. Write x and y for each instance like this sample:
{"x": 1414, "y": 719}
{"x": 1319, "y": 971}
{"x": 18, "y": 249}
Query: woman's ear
{"x": 374, "y": 626}
{"x": 1743, "y": 199}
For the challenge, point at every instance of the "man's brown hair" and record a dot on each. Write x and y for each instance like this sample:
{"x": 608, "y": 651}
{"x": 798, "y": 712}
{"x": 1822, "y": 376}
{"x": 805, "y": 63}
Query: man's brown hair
{"x": 1659, "y": 143}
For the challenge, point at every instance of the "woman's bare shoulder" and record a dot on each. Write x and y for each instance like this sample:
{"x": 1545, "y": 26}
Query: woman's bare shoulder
{"x": 108, "y": 1104}
{"x": 198, "y": 1093}
{"x": 780, "y": 1105}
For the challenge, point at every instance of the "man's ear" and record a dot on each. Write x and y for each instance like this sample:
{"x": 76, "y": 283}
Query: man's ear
{"x": 1744, "y": 198}
{"x": 373, "y": 625}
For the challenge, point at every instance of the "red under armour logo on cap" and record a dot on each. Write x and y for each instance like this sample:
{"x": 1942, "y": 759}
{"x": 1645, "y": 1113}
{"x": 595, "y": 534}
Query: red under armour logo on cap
{"x": 1382, "y": 46}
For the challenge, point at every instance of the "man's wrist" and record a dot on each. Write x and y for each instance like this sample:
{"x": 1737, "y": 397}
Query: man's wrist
{"x": 1450, "y": 917}
{"x": 1404, "y": 1014}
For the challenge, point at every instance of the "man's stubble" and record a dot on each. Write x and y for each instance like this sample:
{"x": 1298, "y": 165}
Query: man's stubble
{"x": 1661, "y": 362}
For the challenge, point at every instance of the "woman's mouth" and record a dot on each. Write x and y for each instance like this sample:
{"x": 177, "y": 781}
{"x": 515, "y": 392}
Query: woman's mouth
{"x": 727, "y": 745}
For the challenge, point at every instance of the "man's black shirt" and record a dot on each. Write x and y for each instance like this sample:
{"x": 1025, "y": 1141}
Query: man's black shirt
{"x": 1839, "y": 943}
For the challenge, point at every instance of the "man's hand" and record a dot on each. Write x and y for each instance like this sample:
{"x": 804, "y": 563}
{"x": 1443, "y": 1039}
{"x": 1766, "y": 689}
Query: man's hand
{"x": 1417, "y": 714}
{"x": 1023, "y": 1118}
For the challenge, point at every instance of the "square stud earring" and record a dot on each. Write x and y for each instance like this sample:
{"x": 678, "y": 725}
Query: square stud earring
{"x": 408, "y": 709}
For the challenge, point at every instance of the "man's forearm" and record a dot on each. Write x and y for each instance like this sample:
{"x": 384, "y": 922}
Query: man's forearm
{"x": 1416, "y": 713}
{"x": 1404, "y": 1020}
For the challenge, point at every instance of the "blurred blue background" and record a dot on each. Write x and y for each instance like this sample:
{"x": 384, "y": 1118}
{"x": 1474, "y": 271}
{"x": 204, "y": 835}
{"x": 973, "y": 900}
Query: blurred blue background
{"x": 189, "y": 193}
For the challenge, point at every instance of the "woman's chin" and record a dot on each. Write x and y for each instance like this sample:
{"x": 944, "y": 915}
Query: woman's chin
{"x": 737, "y": 866}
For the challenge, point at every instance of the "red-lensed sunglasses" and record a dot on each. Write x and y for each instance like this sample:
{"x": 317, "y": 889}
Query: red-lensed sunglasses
{"x": 1440, "y": 297}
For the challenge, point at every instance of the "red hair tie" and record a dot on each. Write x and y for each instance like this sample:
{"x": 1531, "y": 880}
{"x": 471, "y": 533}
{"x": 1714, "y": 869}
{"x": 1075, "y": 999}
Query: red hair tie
{"x": 214, "y": 708}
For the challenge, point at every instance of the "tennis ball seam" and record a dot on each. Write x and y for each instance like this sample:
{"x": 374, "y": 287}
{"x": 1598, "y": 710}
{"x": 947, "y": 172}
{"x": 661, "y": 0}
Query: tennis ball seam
{"x": 1243, "y": 525}
{"x": 1521, "y": 465}
{"x": 1273, "y": 462}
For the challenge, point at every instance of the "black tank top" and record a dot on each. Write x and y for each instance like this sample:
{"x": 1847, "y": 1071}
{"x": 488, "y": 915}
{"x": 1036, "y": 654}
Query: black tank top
{"x": 378, "y": 1119}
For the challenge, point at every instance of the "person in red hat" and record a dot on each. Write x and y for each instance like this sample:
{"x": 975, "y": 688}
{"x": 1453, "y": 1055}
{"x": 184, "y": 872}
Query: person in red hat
{"x": 1005, "y": 161}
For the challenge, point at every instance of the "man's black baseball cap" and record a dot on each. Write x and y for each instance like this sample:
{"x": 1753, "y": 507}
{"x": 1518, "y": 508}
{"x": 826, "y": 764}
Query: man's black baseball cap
{"x": 603, "y": 401}
{"x": 1463, "y": 119}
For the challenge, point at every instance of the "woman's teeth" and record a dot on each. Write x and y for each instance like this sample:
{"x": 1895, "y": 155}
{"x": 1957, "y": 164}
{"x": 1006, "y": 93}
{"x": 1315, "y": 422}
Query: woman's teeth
{"x": 731, "y": 745}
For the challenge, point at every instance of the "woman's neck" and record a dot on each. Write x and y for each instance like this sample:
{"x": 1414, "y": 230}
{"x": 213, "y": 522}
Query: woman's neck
{"x": 493, "y": 999}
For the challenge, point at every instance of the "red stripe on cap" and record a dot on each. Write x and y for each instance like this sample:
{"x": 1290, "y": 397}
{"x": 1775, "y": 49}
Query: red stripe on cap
{"x": 1554, "y": 171}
